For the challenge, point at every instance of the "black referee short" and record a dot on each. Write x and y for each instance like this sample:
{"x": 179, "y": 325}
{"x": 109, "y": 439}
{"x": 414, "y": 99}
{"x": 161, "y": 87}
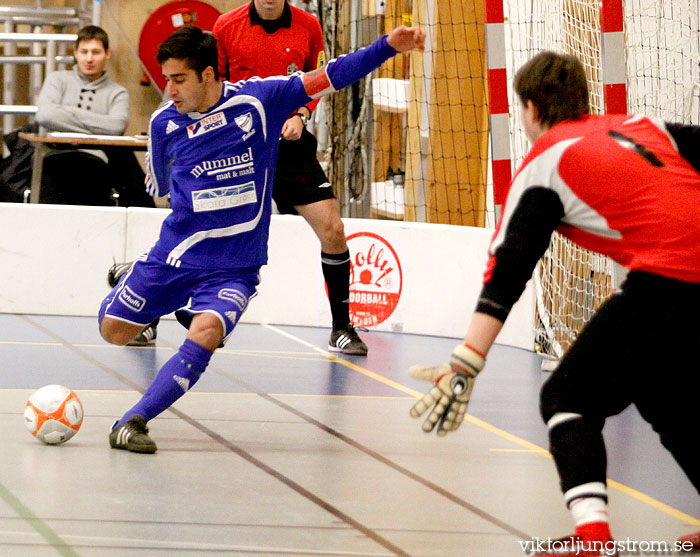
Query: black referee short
{"x": 300, "y": 180}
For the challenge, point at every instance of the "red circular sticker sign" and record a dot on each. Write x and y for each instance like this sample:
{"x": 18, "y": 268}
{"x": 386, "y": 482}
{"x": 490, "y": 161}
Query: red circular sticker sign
{"x": 375, "y": 279}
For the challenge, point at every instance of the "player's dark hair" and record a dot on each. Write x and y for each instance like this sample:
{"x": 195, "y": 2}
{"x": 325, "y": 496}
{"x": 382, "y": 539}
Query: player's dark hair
{"x": 556, "y": 84}
{"x": 90, "y": 32}
{"x": 193, "y": 45}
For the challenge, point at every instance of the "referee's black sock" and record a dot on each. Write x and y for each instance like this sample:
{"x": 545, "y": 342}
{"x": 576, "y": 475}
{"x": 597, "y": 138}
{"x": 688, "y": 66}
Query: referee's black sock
{"x": 336, "y": 271}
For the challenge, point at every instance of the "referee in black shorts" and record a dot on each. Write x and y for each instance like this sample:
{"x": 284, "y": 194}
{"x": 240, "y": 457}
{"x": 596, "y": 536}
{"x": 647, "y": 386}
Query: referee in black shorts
{"x": 302, "y": 187}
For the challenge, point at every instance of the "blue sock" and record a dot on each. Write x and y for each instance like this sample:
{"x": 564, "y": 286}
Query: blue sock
{"x": 174, "y": 379}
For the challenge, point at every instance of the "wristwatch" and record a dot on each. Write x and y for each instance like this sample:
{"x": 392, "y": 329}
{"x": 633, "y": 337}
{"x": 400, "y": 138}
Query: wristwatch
{"x": 304, "y": 117}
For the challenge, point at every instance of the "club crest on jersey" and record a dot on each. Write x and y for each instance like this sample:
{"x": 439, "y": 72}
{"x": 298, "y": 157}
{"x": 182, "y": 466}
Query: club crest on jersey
{"x": 245, "y": 122}
{"x": 205, "y": 125}
{"x": 292, "y": 68}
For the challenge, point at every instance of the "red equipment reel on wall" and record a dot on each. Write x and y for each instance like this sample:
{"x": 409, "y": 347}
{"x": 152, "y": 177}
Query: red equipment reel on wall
{"x": 162, "y": 23}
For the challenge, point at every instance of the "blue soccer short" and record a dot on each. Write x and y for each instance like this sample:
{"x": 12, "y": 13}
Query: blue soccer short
{"x": 152, "y": 288}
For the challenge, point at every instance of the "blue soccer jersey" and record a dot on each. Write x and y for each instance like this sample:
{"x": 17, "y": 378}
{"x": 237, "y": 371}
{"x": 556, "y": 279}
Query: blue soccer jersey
{"x": 219, "y": 166}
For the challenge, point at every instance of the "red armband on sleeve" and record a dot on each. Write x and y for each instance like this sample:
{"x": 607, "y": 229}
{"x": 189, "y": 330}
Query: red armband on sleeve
{"x": 317, "y": 84}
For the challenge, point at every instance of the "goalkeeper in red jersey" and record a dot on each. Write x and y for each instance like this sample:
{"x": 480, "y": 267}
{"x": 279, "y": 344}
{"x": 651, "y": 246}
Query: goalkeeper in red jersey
{"x": 627, "y": 187}
{"x": 266, "y": 38}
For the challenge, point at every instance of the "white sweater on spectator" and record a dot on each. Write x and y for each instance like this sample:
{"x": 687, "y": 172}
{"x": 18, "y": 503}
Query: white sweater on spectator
{"x": 70, "y": 103}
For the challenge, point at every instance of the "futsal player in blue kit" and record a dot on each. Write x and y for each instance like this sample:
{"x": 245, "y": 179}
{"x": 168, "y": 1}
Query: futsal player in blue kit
{"x": 213, "y": 148}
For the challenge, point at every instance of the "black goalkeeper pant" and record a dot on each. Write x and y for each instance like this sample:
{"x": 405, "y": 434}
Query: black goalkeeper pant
{"x": 640, "y": 348}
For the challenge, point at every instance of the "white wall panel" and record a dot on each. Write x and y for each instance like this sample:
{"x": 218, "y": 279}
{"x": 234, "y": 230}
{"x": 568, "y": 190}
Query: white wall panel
{"x": 53, "y": 260}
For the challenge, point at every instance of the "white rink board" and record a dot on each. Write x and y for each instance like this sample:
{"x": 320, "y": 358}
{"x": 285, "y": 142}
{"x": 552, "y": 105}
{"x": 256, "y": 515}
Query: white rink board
{"x": 53, "y": 260}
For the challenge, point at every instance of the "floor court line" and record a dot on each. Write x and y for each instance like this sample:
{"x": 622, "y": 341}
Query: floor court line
{"x": 29, "y": 343}
{"x": 370, "y": 452}
{"x": 529, "y": 446}
{"x": 358, "y": 446}
{"x": 640, "y": 496}
{"x": 38, "y": 525}
{"x": 223, "y": 393}
{"x": 346, "y": 363}
{"x": 301, "y": 490}
{"x": 242, "y": 453}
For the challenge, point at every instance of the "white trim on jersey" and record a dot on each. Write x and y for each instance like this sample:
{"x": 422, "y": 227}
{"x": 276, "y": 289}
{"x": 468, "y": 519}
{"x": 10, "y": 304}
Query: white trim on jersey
{"x": 177, "y": 252}
{"x": 152, "y": 186}
{"x": 232, "y": 87}
{"x": 542, "y": 172}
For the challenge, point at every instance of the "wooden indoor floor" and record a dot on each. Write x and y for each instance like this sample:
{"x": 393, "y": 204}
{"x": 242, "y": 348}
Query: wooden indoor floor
{"x": 285, "y": 449}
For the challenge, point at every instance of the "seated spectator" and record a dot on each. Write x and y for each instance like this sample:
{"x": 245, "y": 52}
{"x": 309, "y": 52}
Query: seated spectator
{"x": 85, "y": 100}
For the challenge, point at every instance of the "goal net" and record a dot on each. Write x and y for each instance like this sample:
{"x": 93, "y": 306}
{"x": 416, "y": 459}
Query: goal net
{"x": 425, "y": 117}
{"x": 411, "y": 141}
{"x": 661, "y": 47}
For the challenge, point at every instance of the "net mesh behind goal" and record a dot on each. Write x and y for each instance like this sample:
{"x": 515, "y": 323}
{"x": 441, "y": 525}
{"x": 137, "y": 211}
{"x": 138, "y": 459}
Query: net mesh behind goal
{"x": 411, "y": 141}
{"x": 661, "y": 46}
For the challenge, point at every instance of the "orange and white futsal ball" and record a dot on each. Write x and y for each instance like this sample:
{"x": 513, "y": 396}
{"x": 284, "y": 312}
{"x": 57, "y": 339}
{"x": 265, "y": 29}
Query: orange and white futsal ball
{"x": 53, "y": 414}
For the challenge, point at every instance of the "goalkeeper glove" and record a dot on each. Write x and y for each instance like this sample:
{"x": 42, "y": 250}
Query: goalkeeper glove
{"x": 453, "y": 387}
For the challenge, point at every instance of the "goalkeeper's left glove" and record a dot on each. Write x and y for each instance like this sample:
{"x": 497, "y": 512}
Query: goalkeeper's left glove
{"x": 453, "y": 387}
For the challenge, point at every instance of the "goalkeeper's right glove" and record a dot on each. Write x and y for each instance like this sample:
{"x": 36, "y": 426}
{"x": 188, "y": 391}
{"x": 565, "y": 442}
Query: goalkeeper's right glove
{"x": 452, "y": 390}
